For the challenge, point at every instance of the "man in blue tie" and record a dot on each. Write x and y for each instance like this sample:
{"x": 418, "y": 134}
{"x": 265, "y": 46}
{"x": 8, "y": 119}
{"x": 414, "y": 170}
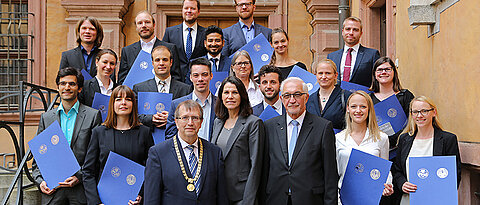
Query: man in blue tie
{"x": 299, "y": 160}
{"x": 176, "y": 171}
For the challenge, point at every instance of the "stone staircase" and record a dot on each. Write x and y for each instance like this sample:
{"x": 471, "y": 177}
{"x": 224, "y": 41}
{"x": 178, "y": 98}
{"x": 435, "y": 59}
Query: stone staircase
{"x": 31, "y": 196}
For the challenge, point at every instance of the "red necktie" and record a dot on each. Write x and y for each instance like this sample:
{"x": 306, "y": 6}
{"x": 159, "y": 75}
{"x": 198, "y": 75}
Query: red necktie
{"x": 348, "y": 65}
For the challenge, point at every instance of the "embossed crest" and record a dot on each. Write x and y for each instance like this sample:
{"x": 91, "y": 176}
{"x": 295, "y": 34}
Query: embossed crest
{"x": 102, "y": 109}
{"x": 217, "y": 84}
{"x": 359, "y": 168}
{"x": 265, "y": 57}
{"x": 115, "y": 171}
{"x": 442, "y": 173}
{"x": 131, "y": 179}
{"x": 257, "y": 47}
{"x": 422, "y": 173}
{"x": 160, "y": 107}
{"x": 42, "y": 149}
{"x": 146, "y": 106}
{"x": 55, "y": 139}
{"x": 392, "y": 112}
{"x": 310, "y": 86}
{"x": 143, "y": 65}
{"x": 375, "y": 174}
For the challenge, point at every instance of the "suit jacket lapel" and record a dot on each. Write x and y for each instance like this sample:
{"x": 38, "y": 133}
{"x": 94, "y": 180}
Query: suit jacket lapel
{"x": 78, "y": 123}
{"x": 307, "y": 126}
{"x": 110, "y": 139}
{"x": 315, "y": 105}
{"x": 406, "y": 151}
{"x": 153, "y": 85}
{"x": 203, "y": 171}
{"x": 240, "y": 33}
{"x": 333, "y": 97}
{"x": 198, "y": 39}
{"x": 337, "y": 59}
{"x": 437, "y": 143}
{"x": 180, "y": 35}
{"x": 172, "y": 86}
{"x": 78, "y": 52}
{"x": 217, "y": 129}
{"x": 212, "y": 116}
{"x": 237, "y": 129}
{"x": 282, "y": 136}
{"x": 358, "y": 61}
{"x": 95, "y": 86}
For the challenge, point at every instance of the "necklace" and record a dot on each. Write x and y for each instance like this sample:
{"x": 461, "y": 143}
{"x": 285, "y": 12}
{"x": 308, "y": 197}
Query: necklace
{"x": 190, "y": 186}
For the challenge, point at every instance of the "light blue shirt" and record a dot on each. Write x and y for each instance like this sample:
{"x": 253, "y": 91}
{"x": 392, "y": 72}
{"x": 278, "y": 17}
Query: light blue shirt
{"x": 67, "y": 120}
{"x": 204, "y": 131}
{"x": 249, "y": 33}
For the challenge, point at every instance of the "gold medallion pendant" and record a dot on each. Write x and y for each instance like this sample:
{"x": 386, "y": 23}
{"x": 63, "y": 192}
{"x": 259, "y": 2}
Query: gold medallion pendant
{"x": 190, "y": 187}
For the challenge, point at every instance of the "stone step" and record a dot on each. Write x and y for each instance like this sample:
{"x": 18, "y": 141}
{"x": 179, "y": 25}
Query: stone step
{"x": 31, "y": 196}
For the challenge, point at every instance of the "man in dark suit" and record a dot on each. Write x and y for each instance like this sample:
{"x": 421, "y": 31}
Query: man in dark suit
{"x": 214, "y": 43}
{"x": 245, "y": 30}
{"x": 187, "y": 37}
{"x": 163, "y": 83}
{"x": 270, "y": 80}
{"x": 201, "y": 75}
{"x": 77, "y": 122}
{"x": 299, "y": 162}
{"x": 145, "y": 26}
{"x": 89, "y": 34}
{"x": 354, "y": 62}
{"x": 185, "y": 169}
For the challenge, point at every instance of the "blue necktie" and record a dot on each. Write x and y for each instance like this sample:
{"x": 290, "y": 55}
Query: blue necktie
{"x": 188, "y": 50}
{"x": 214, "y": 64}
{"x": 192, "y": 165}
{"x": 293, "y": 140}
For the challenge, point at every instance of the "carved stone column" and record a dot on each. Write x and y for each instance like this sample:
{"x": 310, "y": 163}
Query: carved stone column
{"x": 324, "y": 38}
{"x": 110, "y": 14}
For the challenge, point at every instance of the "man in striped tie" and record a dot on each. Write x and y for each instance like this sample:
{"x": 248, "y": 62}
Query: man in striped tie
{"x": 176, "y": 171}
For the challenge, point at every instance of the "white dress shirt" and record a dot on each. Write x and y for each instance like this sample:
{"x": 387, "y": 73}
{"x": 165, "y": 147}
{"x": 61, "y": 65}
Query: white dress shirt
{"x": 277, "y": 105}
{"x": 290, "y": 126}
{"x": 185, "y": 35}
{"x": 187, "y": 151}
{"x": 204, "y": 131}
{"x": 103, "y": 90}
{"x": 168, "y": 82}
{"x": 254, "y": 94}
{"x": 148, "y": 46}
{"x": 217, "y": 63}
{"x": 354, "y": 58}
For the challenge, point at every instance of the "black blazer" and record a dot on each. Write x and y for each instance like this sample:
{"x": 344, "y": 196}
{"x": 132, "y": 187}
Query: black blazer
{"x": 101, "y": 143}
{"x": 334, "y": 110}
{"x": 174, "y": 35}
{"x": 166, "y": 184}
{"x": 74, "y": 58}
{"x": 312, "y": 176}
{"x": 444, "y": 144}
{"x": 243, "y": 158}
{"x": 223, "y": 65}
{"x": 177, "y": 88}
{"x": 234, "y": 38}
{"x": 363, "y": 68}
{"x": 89, "y": 89}
{"x": 129, "y": 54}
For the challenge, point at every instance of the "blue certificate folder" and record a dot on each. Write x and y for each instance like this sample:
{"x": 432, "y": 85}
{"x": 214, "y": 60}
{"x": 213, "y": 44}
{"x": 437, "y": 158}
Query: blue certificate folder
{"x": 364, "y": 179}
{"x": 268, "y": 113}
{"x": 216, "y": 81}
{"x": 352, "y": 87}
{"x": 436, "y": 180}
{"x": 149, "y": 103}
{"x": 100, "y": 102}
{"x": 260, "y": 51}
{"x": 309, "y": 78}
{"x": 86, "y": 76}
{"x": 53, "y": 155}
{"x": 390, "y": 115}
{"x": 141, "y": 70}
{"x": 121, "y": 180}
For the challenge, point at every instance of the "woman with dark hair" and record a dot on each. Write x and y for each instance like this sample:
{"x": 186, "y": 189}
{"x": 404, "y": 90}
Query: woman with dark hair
{"x": 423, "y": 137}
{"x": 121, "y": 133}
{"x": 385, "y": 83}
{"x": 329, "y": 101}
{"x": 240, "y": 135}
{"x": 106, "y": 61}
{"x": 280, "y": 58}
{"x": 242, "y": 68}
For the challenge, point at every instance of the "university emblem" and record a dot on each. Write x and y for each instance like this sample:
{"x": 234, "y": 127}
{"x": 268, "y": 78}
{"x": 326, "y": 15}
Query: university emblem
{"x": 375, "y": 174}
{"x": 115, "y": 171}
{"x": 257, "y": 47}
{"x": 131, "y": 179}
{"x": 160, "y": 107}
{"x": 310, "y": 86}
{"x": 55, "y": 139}
{"x": 442, "y": 173}
{"x": 146, "y": 106}
{"x": 422, "y": 173}
{"x": 42, "y": 149}
{"x": 143, "y": 65}
{"x": 359, "y": 168}
{"x": 265, "y": 57}
{"x": 379, "y": 119}
{"x": 392, "y": 112}
{"x": 217, "y": 84}
{"x": 102, "y": 109}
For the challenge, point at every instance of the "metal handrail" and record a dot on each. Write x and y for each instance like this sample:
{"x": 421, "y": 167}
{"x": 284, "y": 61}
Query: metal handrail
{"x": 44, "y": 95}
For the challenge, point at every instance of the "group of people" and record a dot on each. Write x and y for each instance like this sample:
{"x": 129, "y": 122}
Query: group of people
{"x": 217, "y": 149}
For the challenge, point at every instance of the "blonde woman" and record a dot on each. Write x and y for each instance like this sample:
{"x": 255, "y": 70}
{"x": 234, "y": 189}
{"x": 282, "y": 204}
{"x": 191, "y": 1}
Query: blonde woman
{"x": 361, "y": 133}
{"x": 423, "y": 137}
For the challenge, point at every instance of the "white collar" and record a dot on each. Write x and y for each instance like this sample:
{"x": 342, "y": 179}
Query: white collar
{"x": 217, "y": 57}
{"x": 355, "y": 48}
{"x": 168, "y": 80}
{"x": 110, "y": 85}
{"x": 185, "y": 144}
{"x": 251, "y": 84}
{"x": 185, "y": 27}
{"x": 150, "y": 42}
{"x": 299, "y": 119}
{"x": 277, "y": 104}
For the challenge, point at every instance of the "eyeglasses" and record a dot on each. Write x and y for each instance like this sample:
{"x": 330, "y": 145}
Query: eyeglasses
{"x": 387, "y": 70}
{"x": 242, "y": 64}
{"x": 63, "y": 83}
{"x": 193, "y": 118}
{"x": 295, "y": 95}
{"x": 423, "y": 112}
{"x": 248, "y": 4}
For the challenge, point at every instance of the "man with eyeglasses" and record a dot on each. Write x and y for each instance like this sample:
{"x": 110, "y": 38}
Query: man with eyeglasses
{"x": 185, "y": 169}
{"x": 200, "y": 75}
{"x": 299, "y": 162}
{"x": 77, "y": 121}
{"x": 245, "y": 30}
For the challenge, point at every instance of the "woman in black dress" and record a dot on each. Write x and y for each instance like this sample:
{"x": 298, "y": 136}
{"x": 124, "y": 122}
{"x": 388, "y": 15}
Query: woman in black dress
{"x": 280, "y": 57}
{"x": 121, "y": 133}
